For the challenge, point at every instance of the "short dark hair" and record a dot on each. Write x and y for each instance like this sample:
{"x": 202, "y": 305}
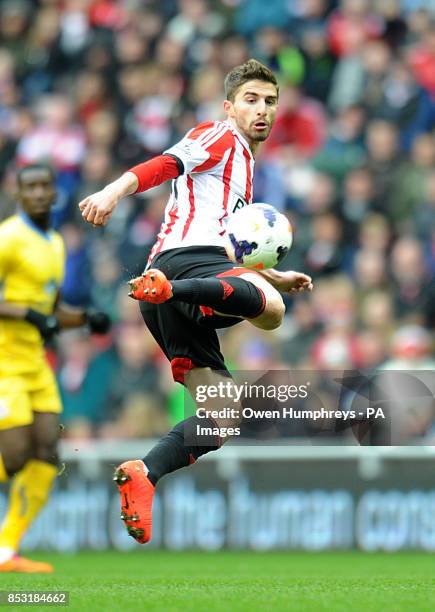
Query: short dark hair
{"x": 35, "y": 166}
{"x": 249, "y": 71}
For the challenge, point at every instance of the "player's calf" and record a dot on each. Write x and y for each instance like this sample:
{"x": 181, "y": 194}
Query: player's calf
{"x": 228, "y": 296}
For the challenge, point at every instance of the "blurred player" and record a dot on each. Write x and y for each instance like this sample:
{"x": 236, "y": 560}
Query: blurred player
{"x": 31, "y": 272}
{"x": 190, "y": 287}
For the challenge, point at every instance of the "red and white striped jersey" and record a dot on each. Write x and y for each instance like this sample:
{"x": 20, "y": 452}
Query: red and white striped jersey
{"x": 217, "y": 181}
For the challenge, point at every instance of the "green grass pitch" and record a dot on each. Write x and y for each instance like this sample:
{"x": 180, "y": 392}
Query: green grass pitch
{"x": 235, "y": 581}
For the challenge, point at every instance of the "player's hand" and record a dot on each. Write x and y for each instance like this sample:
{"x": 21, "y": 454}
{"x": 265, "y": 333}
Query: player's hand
{"x": 293, "y": 282}
{"x": 98, "y": 207}
{"x": 48, "y": 325}
{"x": 98, "y": 322}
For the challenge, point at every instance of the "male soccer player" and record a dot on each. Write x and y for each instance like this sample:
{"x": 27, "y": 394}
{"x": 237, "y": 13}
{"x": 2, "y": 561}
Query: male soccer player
{"x": 31, "y": 271}
{"x": 190, "y": 287}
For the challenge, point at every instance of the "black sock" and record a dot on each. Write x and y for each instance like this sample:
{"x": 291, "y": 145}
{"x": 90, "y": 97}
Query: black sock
{"x": 180, "y": 447}
{"x": 229, "y": 295}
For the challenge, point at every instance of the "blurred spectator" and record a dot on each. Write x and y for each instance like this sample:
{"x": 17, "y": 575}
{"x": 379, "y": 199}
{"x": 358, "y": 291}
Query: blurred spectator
{"x": 140, "y": 417}
{"x": 422, "y": 61}
{"x": 383, "y": 161}
{"x": 134, "y": 405}
{"x": 370, "y": 271}
{"x": 335, "y": 302}
{"x": 425, "y": 215}
{"x": 370, "y": 349}
{"x": 104, "y": 289}
{"x": 300, "y": 126}
{"x": 8, "y": 205}
{"x": 139, "y": 235}
{"x": 411, "y": 349}
{"x": 394, "y": 27}
{"x": 356, "y": 202}
{"x": 377, "y": 313}
{"x": 403, "y": 102}
{"x": 343, "y": 149}
{"x": 325, "y": 254}
{"x": 76, "y": 289}
{"x": 150, "y": 119}
{"x": 319, "y": 62}
{"x": 414, "y": 286}
{"x": 269, "y": 183}
{"x": 376, "y": 58}
{"x": 84, "y": 378}
{"x": 375, "y": 233}
{"x": 254, "y": 14}
{"x": 321, "y": 196}
{"x": 351, "y": 25}
{"x": 55, "y": 137}
{"x": 334, "y": 350}
{"x": 91, "y": 95}
{"x": 233, "y": 51}
{"x": 273, "y": 48}
{"x": 15, "y": 16}
{"x": 302, "y": 331}
{"x": 207, "y": 92}
{"x": 410, "y": 185}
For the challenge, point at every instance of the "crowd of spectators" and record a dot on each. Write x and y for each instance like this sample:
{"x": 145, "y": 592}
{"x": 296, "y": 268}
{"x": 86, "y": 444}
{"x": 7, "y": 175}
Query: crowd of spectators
{"x": 95, "y": 86}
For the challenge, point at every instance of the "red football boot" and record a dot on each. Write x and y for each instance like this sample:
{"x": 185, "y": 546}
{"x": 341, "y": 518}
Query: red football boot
{"x": 152, "y": 286}
{"x": 137, "y": 493}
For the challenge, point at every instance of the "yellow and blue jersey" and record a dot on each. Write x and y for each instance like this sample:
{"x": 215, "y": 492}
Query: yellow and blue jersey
{"x": 31, "y": 271}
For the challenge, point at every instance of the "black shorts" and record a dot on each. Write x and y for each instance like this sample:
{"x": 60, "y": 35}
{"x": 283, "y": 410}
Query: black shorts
{"x": 187, "y": 332}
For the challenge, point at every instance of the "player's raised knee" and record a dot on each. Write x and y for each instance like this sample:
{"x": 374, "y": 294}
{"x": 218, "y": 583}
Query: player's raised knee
{"x": 15, "y": 461}
{"x": 47, "y": 453}
{"x": 273, "y": 314}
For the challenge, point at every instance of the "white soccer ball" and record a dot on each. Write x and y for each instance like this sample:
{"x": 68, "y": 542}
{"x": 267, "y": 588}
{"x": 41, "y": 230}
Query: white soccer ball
{"x": 258, "y": 236}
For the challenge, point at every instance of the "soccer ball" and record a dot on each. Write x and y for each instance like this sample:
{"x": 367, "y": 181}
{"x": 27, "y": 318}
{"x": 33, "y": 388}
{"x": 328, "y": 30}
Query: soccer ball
{"x": 258, "y": 236}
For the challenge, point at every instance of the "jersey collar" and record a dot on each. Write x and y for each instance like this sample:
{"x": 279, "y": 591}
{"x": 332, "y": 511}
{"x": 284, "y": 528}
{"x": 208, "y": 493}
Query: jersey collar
{"x": 241, "y": 138}
{"x": 28, "y": 221}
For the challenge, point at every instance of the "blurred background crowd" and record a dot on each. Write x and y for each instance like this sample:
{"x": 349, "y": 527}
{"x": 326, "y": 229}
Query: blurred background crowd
{"x": 95, "y": 86}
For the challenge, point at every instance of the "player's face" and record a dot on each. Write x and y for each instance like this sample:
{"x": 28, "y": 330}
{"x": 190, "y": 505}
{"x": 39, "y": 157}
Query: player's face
{"x": 36, "y": 192}
{"x": 254, "y": 109}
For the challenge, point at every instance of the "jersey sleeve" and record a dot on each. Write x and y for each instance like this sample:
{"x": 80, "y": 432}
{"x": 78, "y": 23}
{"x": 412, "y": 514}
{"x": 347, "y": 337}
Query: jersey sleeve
{"x": 156, "y": 171}
{"x": 62, "y": 252}
{"x": 6, "y": 251}
{"x": 203, "y": 148}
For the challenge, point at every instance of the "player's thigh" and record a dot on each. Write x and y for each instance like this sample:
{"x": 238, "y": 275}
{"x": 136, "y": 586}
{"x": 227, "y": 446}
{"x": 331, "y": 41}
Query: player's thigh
{"x": 221, "y": 267}
{"x": 186, "y": 343}
{"x": 45, "y": 436}
{"x": 46, "y": 406}
{"x": 274, "y": 309}
{"x": 16, "y": 420}
{"x": 15, "y": 403}
{"x": 44, "y": 393}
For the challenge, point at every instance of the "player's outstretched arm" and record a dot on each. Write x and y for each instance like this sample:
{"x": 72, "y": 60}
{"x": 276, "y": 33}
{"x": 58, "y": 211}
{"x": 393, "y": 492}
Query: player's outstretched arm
{"x": 69, "y": 318}
{"x": 10, "y": 311}
{"x": 288, "y": 281}
{"x": 64, "y": 317}
{"x": 98, "y": 207}
{"x": 46, "y": 324}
